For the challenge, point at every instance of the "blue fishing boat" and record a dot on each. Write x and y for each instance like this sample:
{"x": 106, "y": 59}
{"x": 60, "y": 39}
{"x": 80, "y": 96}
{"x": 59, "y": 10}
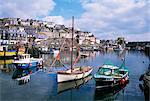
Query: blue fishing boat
{"x": 24, "y": 61}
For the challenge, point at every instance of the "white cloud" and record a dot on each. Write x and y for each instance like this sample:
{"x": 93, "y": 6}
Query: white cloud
{"x": 107, "y": 19}
{"x": 138, "y": 37}
{"x": 128, "y": 37}
{"x": 55, "y": 19}
{"x": 25, "y": 8}
{"x": 128, "y": 18}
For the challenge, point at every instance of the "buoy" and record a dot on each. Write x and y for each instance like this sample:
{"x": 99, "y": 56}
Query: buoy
{"x": 30, "y": 64}
{"x": 126, "y": 79}
{"x": 122, "y": 81}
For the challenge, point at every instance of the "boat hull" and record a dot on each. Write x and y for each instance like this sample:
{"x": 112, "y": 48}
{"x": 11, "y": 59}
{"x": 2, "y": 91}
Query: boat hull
{"x": 27, "y": 62}
{"x": 2, "y": 53}
{"x": 62, "y": 77}
{"x": 110, "y": 76}
{"x": 11, "y": 53}
{"x": 26, "y": 65}
{"x": 104, "y": 84}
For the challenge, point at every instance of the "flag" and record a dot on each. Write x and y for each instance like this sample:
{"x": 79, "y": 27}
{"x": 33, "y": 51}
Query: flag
{"x": 58, "y": 56}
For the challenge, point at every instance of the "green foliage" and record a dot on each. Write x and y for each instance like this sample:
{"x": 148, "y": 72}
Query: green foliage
{"x": 34, "y": 51}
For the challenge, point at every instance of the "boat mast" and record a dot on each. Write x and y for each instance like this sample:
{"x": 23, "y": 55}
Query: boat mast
{"x": 72, "y": 43}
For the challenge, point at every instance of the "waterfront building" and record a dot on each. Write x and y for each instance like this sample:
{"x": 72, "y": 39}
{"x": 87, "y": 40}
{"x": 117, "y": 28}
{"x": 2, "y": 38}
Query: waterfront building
{"x": 12, "y": 34}
{"x": 50, "y": 24}
{"x": 9, "y": 21}
{"x": 25, "y": 22}
{"x": 59, "y": 26}
{"x": 97, "y": 41}
{"x": 92, "y": 39}
{"x": 35, "y": 23}
{"x": 14, "y": 30}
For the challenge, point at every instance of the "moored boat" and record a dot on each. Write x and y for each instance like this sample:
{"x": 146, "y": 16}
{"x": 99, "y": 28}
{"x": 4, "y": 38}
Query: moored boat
{"x": 109, "y": 76}
{"x": 7, "y": 53}
{"x": 74, "y": 73}
{"x": 11, "y": 53}
{"x": 24, "y": 61}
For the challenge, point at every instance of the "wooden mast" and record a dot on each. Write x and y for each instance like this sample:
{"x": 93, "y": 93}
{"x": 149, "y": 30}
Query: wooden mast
{"x": 72, "y": 43}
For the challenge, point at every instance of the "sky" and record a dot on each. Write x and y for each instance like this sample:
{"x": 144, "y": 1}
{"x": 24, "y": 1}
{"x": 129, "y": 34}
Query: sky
{"x": 106, "y": 19}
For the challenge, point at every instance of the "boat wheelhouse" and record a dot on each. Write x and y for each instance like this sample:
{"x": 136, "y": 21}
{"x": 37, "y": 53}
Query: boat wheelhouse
{"x": 24, "y": 61}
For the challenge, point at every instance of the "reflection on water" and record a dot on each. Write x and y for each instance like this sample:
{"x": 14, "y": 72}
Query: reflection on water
{"x": 7, "y": 68}
{"x": 6, "y": 61}
{"x": 23, "y": 75}
{"x": 109, "y": 94}
{"x": 61, "y": 87}
{"x": 43, "y": 86}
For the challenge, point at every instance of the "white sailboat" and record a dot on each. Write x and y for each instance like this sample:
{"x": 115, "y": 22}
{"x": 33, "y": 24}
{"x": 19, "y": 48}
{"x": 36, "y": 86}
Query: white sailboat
{"x": 74, "y": 73}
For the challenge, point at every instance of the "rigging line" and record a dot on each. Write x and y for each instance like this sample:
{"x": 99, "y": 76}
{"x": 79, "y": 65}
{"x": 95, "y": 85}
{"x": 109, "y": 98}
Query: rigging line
{"x": 72, "y": 43}
{"x": 57, "y": 55}
{"x": 77, "y": 59}
{"x": 62, "y": 63}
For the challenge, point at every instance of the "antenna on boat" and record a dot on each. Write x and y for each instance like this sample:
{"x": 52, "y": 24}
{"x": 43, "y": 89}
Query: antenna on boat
{"x": 72, "y": 43}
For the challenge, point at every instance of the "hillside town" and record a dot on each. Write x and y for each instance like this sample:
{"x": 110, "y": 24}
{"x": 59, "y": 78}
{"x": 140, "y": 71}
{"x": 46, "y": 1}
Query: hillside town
{"x": 46, "y": 35}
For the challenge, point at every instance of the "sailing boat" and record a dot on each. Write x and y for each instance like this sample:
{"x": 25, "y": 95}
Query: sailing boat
{"x": 76, "y": 72}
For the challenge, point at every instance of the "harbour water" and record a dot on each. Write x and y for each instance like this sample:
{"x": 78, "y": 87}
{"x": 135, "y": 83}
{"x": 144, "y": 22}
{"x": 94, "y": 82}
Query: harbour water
{"x": 43, "y": 86}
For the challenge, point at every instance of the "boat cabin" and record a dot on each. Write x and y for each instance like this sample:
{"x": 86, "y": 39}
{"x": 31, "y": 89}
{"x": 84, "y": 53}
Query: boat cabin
{"x": 24, "y": 56}
{"x": 110, "y": 70}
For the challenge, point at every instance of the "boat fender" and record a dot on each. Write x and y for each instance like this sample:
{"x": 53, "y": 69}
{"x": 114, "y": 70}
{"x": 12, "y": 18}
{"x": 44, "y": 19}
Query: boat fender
{"x": 126, "y": 79}
{"x": 122, "y": 81}
{"x": 30, "y": 64}
{"x": 114, "y": 81}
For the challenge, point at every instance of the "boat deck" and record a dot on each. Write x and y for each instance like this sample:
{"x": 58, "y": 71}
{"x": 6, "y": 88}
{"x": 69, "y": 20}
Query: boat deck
{"x": 77, "y": 70}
